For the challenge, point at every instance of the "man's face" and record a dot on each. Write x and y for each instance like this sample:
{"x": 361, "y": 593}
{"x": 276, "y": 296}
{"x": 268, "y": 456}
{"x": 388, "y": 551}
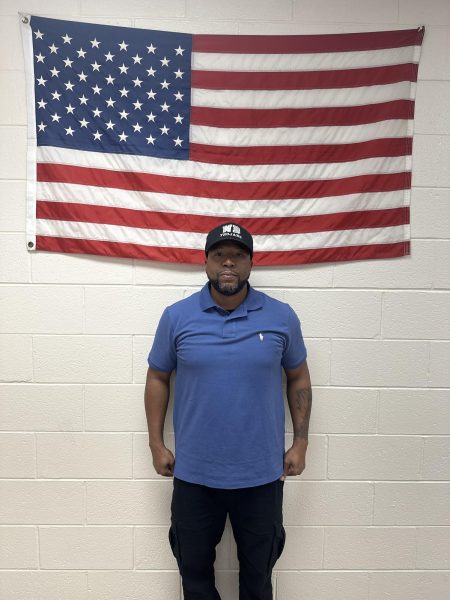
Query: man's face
{"x": 228, "y": 267}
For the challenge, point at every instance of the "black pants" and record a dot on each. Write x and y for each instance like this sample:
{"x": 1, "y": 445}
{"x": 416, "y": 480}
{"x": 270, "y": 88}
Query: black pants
{"x": 198, "y": 520}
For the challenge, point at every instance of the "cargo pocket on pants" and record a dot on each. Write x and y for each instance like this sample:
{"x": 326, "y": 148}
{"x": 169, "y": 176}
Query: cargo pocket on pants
{"x": 279, "y": 541}
{"x": 175, "y": 544}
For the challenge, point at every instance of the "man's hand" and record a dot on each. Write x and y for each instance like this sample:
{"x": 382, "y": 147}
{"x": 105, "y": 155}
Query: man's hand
{"x": 163, "y": 461}
{"x": 294, "y": 460}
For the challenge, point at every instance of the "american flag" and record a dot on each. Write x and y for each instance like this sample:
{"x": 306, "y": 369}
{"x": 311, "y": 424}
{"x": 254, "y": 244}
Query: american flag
{"x": 142, "y": 141}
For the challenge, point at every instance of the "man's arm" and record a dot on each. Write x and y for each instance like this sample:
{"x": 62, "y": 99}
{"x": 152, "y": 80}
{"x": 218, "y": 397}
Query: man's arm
{"x": 157, "y": 390}
{"x": 299, "y": 397}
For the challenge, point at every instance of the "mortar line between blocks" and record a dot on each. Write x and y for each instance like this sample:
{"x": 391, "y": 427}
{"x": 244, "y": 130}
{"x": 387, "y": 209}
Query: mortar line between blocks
{"x": 380, "y": 334}
{"x": 421, "y": 473}
{"x": 378, "y": 408}
{"x": 323, "y": 548}
{"x": 38, "y": 534}
{"x": 84, "y": 310}
{"x": 429, "y": 363}
{"x": 416, "y": 546}
{"x": 32, "y": 360}
{"x": 85, "y": 503}
{"x": 373, "y": 505}
{"x": 36, "y": 473}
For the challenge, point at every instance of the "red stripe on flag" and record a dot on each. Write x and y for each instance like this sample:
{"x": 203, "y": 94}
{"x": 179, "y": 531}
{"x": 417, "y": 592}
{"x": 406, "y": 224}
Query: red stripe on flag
{"x": 305, "y": 44}
{"x": 303, "y": 80}
{"x": 184, "y": 255}
{"x": 258, "y": 190}
{"x": 315, "y": 153}
{"x": 342, "y": 253}
{"x": 89, "y": 213}
{"x": 302, "y": 117}
{"x": 120, "y": 250}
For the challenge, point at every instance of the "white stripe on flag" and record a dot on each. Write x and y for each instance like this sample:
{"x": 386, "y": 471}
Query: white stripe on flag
{"x": 212, "y": 61}
{"x": 298, "y": 136}
{"x": 302, "y": 98}
{"x": 224, "y": 173}
{"x": 181, "y": 239}
{"x": 168, "y": 203}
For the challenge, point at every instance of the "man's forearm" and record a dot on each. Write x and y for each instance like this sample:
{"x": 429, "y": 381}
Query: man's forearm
{"x": 300, "y": 402}
{"x": 299, "y": 395}
{"x": 157, "y": 390}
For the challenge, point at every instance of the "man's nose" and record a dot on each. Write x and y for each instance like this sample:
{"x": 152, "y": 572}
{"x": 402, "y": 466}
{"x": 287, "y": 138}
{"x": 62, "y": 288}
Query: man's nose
{"x": 228, "y": 260}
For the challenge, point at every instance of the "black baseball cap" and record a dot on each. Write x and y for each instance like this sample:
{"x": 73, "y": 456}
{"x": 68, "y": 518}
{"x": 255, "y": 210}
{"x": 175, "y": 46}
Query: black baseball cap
{"x": 229, "y": 232}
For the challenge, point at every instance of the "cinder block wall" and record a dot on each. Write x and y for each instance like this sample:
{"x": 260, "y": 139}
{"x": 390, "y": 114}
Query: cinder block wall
{"x": 83, "y": 516}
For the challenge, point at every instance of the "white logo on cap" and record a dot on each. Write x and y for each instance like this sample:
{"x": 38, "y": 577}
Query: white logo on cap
{"x": 234, "y": 229}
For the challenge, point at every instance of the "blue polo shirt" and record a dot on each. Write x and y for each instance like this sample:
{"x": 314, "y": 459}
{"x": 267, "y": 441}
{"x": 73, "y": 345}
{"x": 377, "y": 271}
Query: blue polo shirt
{"x": 229, "y": 404}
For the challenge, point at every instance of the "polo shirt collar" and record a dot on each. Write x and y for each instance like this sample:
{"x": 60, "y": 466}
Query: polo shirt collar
{"x": 252, "y": 301}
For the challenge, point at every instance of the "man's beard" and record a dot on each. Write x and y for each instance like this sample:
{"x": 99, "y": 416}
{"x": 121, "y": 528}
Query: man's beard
{"x": 228, "y": 289}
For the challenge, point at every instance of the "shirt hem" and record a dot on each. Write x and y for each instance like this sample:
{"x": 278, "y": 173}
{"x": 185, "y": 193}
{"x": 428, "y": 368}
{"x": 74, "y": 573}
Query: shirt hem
{"x": 236, "y": 485}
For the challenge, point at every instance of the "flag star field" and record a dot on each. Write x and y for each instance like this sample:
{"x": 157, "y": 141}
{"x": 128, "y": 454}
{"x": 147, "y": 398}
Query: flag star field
{"x": 99, "y": 88}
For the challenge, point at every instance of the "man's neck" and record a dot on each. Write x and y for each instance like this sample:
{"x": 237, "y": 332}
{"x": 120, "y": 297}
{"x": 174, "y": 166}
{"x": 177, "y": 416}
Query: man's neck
{"x": 229, "y": 302}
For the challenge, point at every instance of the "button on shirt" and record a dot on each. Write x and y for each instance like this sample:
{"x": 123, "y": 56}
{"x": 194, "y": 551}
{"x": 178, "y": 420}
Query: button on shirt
{"x": 229, "y": 405}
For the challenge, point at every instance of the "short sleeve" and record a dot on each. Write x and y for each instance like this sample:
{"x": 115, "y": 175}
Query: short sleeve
{"x": 295, "y": 351}
{"x": 162, "y": 356}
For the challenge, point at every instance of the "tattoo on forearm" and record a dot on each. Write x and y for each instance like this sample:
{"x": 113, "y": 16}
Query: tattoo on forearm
{"x": 303, "y": 401}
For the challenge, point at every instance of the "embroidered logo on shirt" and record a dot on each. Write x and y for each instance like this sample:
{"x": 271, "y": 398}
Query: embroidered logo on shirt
{"x": 261, "y": 337}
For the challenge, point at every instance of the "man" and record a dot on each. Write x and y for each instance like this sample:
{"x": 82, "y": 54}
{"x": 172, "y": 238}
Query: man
{"x": 228, "y": 344}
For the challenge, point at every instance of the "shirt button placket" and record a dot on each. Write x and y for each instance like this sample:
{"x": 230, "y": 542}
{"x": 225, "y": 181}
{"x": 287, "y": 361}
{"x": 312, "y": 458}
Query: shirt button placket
{"x": 229, "y": 327}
